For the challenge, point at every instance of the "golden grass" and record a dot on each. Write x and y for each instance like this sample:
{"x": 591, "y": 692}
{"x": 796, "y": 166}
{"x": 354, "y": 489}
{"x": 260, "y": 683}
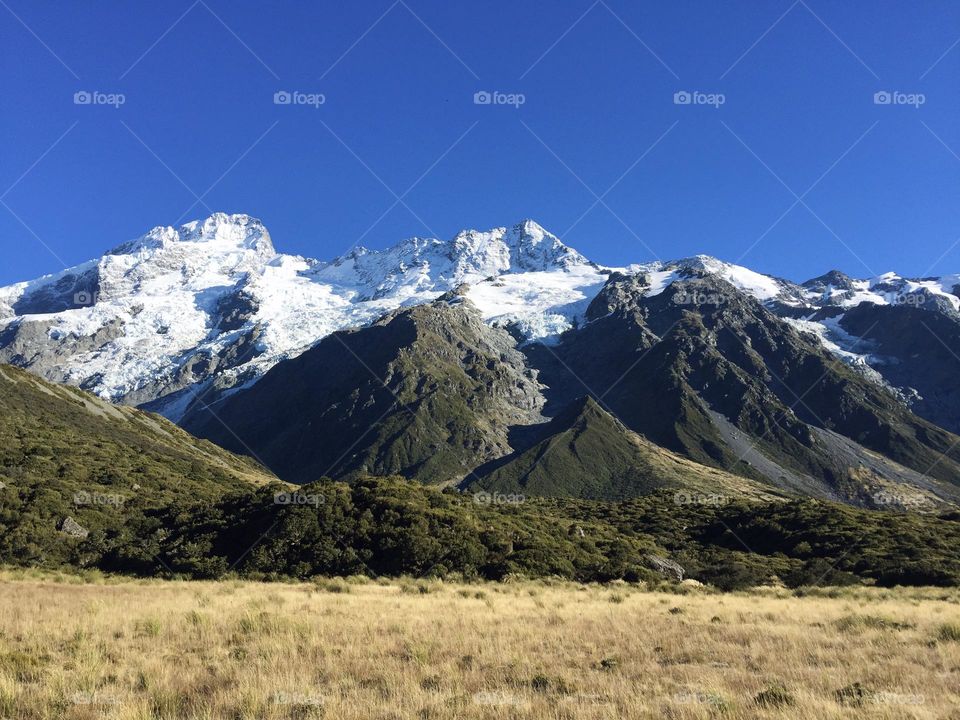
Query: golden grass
{"x": 365, "y": 650}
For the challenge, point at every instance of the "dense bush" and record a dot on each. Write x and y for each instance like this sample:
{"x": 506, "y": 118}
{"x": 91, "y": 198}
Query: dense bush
{"x": 390, "y": 526}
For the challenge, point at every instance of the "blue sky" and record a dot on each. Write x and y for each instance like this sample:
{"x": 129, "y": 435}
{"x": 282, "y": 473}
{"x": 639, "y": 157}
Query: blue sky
{"x": 797, "y": 171}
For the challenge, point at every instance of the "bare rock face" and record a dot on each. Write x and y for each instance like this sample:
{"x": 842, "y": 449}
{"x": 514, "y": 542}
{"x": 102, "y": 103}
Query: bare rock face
{"x": 69, "y": 526}
{"x": 665, "y": 566}
{"x": 32, "y": 345}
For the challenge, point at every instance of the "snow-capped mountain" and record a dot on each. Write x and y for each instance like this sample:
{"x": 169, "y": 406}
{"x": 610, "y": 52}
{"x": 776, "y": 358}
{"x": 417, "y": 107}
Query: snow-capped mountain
{"x": 156, "y": 319}
{"x": 212, "y": 303}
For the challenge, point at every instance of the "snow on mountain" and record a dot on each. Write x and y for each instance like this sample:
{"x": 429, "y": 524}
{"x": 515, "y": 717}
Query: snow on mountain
{"x": 762, "y": 287}
{"x": 854, "y": 351}
{"x": 212, "y": 302}
{"x": 178, "y": 306}
{"x": 838, "y": 290}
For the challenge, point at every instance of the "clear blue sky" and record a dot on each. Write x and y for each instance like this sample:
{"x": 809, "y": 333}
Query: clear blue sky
{"x": 399, "y": 79}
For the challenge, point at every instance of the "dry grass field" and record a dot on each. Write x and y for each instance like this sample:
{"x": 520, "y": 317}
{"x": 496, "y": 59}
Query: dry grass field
{"x": 354, "y": 649}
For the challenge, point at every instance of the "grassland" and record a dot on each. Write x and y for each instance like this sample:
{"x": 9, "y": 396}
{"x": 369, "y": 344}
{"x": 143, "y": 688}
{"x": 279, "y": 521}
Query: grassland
{"x": 358, "y": 649}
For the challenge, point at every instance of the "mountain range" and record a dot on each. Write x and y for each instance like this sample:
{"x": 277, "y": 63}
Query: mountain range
{"x": 506, "y": 362}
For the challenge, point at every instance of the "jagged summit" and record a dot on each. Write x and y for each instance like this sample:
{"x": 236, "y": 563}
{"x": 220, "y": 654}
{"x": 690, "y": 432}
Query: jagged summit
{"x": 220, "y": 231}
{"x": 471, "y": 256}
{"x": 763, "y": 287}
{"x": 835, "y": 278}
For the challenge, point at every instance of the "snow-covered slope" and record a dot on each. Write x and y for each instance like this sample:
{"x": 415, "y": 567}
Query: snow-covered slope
{"x": 762, "y": 287}
{"x": 161, "y": 316}
{"x": 839, "y": 290}
{"x": 212, "y": 303}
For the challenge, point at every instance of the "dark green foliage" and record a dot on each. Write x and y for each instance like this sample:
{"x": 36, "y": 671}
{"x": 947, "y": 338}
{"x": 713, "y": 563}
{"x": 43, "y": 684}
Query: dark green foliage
{"x": 391, "y": 526}
{"x": 64, "y": 453}
{"x": 819, "y": 571}
{"x": 733, "y": 574}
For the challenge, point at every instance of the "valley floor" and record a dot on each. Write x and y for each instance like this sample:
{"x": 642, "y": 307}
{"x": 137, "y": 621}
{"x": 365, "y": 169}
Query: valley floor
{"x": 73, "y": 648}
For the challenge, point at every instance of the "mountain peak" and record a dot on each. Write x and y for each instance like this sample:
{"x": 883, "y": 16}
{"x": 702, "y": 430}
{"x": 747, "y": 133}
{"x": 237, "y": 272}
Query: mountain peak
{"x": 833, "y": 278}
{"x": 220, "y": 231}
{"x": 535, "y": 248}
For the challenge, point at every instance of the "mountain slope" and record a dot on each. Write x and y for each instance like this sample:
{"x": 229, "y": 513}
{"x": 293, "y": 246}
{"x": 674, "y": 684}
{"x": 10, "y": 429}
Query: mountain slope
{"x": 67, "y": 454}
{"x": 699, "y": 361}
{"x": 427, "y": 392}
{"x": 587, "y": 453}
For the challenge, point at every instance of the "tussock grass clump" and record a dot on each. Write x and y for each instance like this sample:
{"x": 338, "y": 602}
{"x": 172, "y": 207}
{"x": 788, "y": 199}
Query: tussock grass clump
{"x": 949, "y": 632}
{"x": 332, "y": 585}
{"x": 775, "y": 696}
{"x": 855, "y": 695}
{"x": 25, "y": 667}
{"x": 149, "y": 627}
{"x": 858, "y": 623}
